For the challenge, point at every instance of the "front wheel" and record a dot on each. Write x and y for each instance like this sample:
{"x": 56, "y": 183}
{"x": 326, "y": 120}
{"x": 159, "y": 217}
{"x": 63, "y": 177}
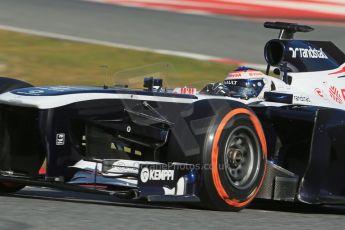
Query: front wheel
{"x": 234, "y": 160}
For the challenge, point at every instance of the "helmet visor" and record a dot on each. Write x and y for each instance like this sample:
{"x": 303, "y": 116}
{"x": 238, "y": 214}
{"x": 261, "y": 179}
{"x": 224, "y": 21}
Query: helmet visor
{"x": 244, "y": 88}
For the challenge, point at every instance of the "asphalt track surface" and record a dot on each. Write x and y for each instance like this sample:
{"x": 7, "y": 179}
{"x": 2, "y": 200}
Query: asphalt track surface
{"x": 220, "y": 36}
{"x": 37, "y": 208}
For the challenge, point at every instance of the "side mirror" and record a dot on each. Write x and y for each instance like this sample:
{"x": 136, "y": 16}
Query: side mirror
{"x": 153, "y": 84}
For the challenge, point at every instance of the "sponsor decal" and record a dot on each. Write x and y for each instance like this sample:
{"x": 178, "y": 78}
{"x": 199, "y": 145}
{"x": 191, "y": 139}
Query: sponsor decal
{"x": 31, "y": 92}
{"x": 246, "y": 73}
{"x": 319, "y": 92}
{"x": 236, "y": 74}
{"x": 144, "y": 175}
{"x": 51, "y": 90}
{"x": 185, "y": 90}
{"x": 230, "y": 82}
{"x": 307, "y": 53}
{"x": 255, "y": 74}
{"x": 156, "y": 175}
{"x": 301, "y": 98}
{"x": 60, "y": 88}
{"x": 335, "y": 95}
{"x": 60, "y": 139}
{"x": 35, "y": 91}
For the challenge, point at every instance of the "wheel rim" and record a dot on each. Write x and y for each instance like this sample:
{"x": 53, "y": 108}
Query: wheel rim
{"x": 241, "y": 157}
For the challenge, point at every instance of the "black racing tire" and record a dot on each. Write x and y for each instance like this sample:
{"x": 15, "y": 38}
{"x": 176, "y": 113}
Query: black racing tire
{"x": 8, "y": 84}
{"x": 233, "y": 160}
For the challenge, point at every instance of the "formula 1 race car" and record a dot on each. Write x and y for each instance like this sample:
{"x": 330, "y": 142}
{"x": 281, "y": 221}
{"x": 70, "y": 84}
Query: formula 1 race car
{"x": 252, "y": 136}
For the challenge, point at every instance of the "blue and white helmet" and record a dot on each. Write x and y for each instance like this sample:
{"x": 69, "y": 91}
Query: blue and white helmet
{"x": 245, "y": 83}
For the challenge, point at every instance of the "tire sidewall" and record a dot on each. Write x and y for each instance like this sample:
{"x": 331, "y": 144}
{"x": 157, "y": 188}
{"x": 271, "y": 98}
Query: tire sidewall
{"x": 240, "y": 194}
{"x": 209, "y": 192}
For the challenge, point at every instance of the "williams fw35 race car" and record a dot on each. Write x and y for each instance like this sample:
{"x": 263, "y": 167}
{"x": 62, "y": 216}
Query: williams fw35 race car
{"x": 251, "y": 136}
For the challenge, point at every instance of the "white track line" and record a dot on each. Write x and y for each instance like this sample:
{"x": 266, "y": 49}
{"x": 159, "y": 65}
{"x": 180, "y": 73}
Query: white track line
{"x": 195, "y": 56}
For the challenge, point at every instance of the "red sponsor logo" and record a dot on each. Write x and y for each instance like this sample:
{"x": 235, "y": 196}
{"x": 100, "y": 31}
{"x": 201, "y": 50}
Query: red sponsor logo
{"x": 319, "y": 92}
{"x": 335, "y": 95}
{"x": 246, "y": 73}
{"x": 186, "y": 90}
{"x": 255, "y": 74}
{"x": 235, "y": 74}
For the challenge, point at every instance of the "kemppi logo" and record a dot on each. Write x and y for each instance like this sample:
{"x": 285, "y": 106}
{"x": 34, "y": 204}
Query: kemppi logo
{"x": 156, "y": 174}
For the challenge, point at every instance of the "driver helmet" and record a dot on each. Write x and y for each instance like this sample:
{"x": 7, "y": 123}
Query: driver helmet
{"x": 245, "y": 83}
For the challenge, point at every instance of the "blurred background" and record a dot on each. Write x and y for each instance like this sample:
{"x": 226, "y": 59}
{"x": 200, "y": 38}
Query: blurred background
{"x": 188, "y": 33}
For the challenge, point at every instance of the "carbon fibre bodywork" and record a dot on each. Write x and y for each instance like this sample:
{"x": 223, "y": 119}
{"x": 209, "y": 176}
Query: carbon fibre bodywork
{"x": 310, "y": 149}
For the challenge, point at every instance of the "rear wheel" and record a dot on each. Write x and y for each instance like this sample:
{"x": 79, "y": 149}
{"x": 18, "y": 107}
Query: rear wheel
{"x": 234, "y": 160}
{"x": 8, "y": 84}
